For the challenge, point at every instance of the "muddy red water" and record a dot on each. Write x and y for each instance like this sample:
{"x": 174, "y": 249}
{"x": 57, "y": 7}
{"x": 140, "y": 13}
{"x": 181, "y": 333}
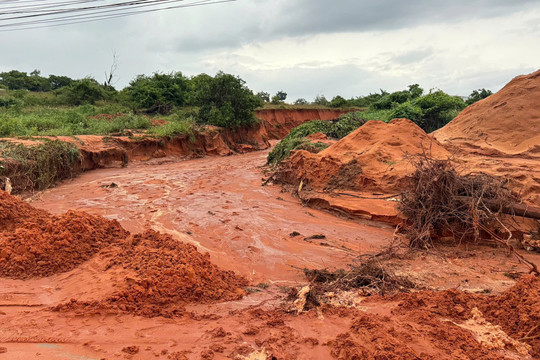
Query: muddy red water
{"x": 219, "y": 205}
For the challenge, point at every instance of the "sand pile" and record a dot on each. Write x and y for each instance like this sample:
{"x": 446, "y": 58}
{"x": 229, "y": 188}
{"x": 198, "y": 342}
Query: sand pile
{"x": 508, "y": 121}
{"x": 34, "y": 243}
{"x": 169, "y": 275}
{"x": 14, "y": 212}
{"x": 372, "y": 158}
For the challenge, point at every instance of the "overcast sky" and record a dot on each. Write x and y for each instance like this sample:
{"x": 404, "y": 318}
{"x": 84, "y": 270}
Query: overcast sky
{"x": 304, "y": 47}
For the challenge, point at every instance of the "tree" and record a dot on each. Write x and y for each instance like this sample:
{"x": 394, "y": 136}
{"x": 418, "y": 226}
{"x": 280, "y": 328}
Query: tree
{"x": 438, "y": 108}
{"x": 84, "y": 91}
{"x": 320, "y": 100}
{"x": 337, "y": 102}
{"x": 264, "y": 96}
{"x": 279, "y": 97}
{"x": 478, "y": 95}
{"x": 416, "y": 91}
{"x": 57, "y": 82}
{"x": 161, "y": 91}
{"x": 114, "y": 66}
{"x": 224, "y": 100}
{"x": 301, "y": 101}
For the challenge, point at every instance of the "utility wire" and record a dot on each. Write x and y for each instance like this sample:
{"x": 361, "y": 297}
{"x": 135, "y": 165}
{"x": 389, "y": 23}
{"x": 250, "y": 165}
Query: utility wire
{"x": 32, "y": 14}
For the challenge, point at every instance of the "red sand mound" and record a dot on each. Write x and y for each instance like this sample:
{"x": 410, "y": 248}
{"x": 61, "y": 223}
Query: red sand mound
{"x": 169, "y": 275}
{"x": 14, "y": 212}
{"x": 372, "y": 158}
{"x": 508, "y": 121}
{"x": 34, "y": 243}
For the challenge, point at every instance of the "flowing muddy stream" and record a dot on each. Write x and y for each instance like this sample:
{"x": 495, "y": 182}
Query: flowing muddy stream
{"x": 219, "y": 205}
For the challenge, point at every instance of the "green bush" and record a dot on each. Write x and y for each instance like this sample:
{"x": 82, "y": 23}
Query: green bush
{"x": 408, "y": 111}
{"x": 8, "y": 102}
{"x": 85, "y": 91}
{"x": 224, "y": 100}
{"x": 478, "y": 95}
{"x": 438, "y": 108}
{"x": 158, "y": 90}
{"x": 296, "y": 139}
{"x": 81, "y": 120}
{"x": 338, "y": 102}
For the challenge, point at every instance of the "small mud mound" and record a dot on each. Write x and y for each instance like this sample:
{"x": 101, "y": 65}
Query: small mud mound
{"x": 169, "y": 275}
{"x": 372, "y": 158}
{"x": 36, "y": 244}
{"x": 14, "y": 212}
{"x": 508, "y": 121}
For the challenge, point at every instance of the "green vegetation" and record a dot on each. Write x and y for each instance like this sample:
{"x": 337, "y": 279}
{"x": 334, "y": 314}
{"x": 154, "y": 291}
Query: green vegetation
{"x": 478, "y": 95}
{"x": 81, "y": 120}
{"x": 297, "y": 138}
{"x": 224, "y": 100}
{"x": 176, "y": 126}
{"x": 38, "y": 166}
{"x": 159, "y": 92}
{"x": 17, "y": 80}
{"x": 84, "y": 91}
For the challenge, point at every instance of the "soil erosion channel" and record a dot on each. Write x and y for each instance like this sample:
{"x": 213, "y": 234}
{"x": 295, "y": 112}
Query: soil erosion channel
{"x": 219, "y": 205}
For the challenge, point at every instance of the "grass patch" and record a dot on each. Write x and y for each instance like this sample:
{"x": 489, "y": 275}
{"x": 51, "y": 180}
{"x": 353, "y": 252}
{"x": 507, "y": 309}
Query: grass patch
{"x": 176, "y": 126}
{"x": 37, "y": 167}
{"x": 60, "y": 121}
{"x": 336, "y": 129}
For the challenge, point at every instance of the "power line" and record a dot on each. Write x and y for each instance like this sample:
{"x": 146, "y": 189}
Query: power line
{"x": 32, "y": 14}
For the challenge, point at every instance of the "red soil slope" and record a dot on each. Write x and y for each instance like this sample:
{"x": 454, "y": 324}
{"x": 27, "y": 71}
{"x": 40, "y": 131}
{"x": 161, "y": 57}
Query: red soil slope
{"x": 279, "y": 122}
{"x": 508, "y": 121}
{"x": 372, "y": 158}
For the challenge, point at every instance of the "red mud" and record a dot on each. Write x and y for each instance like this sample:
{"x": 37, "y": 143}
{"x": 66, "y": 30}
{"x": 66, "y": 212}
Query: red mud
{"x": 217, "y": 204}
{"x": 169, "y": 274}
{"x": 500, "y": 136}
{"x": 507, "y": 122}
{"x": 34, "y": 243}
{"x": 155, "y": 296}
{"x": 371, "y": 158}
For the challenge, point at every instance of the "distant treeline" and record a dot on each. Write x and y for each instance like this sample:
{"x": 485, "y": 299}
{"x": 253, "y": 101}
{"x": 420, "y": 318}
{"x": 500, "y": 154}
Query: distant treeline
{"x": 223, "y": 99}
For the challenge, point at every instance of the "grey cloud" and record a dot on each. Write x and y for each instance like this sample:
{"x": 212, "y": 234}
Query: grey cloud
{"x": 412, "y": 56}
{"x": 269, "y": 20}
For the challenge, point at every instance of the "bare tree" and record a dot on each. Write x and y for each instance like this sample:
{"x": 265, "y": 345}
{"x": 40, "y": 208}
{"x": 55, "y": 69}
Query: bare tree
{"x": 114, "y": 66}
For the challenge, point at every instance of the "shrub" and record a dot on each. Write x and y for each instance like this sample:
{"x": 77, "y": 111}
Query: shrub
{"x": 279, "y": 98}
{"x": 224, "y": 100}
{"x": 438, "y": 108}
{"x": 85, "y": 91}
{"x": 321, "y": 100}
{"x": 337, "y": 102}
{"x": 297, "y": 137}
{"x": 408, "y": 111}
{"x": 478, "y": 95}
{"x": 161, "y": 91}
{"x": 175, "y": 128}
{"x": 8, "y": 102}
